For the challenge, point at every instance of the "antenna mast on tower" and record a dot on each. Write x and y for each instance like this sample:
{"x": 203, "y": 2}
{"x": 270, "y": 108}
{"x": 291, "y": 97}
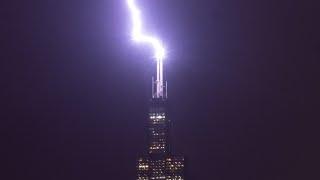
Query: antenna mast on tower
{"x": 159, "y": 90}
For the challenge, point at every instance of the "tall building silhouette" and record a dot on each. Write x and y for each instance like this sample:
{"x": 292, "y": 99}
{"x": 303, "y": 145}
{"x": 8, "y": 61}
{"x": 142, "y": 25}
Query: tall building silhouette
{"x": 159, "y": 162}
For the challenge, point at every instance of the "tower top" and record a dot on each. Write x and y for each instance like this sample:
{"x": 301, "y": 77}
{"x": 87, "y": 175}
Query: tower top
{"x": 139, "y": 35}
{"x": 159, "y": 90}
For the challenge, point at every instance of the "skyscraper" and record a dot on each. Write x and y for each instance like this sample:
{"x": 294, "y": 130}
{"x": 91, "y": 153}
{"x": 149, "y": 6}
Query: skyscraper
{"x": 159, "y": 162}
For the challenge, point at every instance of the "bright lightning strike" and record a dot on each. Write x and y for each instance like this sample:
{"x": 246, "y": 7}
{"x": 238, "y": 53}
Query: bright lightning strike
{"x": 139, "y": 36}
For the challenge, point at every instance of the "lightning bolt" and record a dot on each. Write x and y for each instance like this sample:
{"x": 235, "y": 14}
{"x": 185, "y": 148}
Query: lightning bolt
{"x": 139, "y": 36}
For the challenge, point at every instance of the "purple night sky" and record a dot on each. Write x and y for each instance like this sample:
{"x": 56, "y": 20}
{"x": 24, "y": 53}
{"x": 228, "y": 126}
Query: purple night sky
{"x": 241, "y": 86}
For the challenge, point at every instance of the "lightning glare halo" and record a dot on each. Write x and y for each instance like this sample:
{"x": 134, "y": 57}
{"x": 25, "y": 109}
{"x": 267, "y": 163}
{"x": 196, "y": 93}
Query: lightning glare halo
{"x": 138, "y": 36}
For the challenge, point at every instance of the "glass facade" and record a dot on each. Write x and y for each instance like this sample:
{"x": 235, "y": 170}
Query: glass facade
{"x": 159, "y": 163}
{"x": 158, "y": 131}
{"x": 169, "y": 168}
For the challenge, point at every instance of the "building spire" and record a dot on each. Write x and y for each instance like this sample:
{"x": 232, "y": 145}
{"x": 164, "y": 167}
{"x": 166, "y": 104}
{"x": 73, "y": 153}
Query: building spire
{"x": 159, "y": 90}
